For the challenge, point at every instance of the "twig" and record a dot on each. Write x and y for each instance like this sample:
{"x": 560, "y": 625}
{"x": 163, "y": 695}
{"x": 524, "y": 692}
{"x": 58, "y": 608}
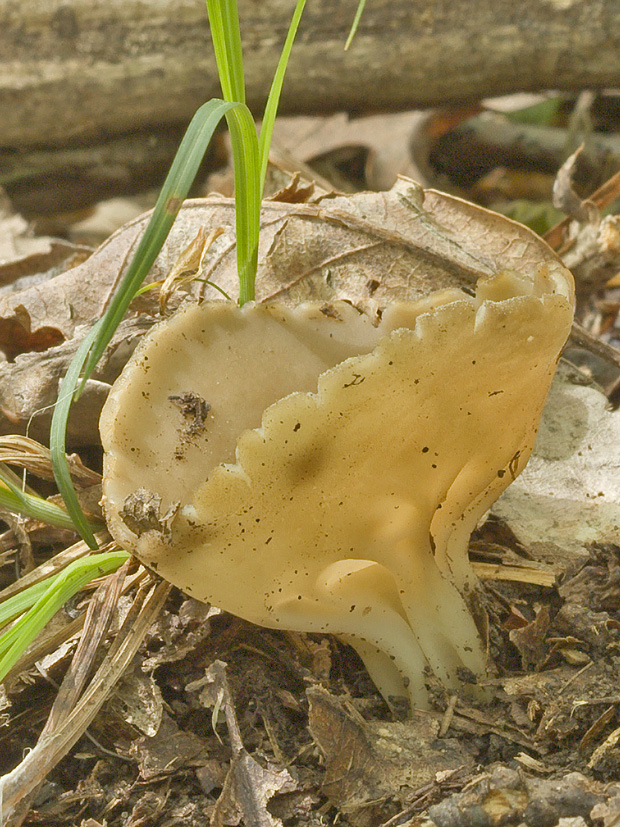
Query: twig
{"x": 448, "y": 715}
{"x": 575, "y": 676}
{"x": 423, "y": 796}
{"x": 580, "y": 337}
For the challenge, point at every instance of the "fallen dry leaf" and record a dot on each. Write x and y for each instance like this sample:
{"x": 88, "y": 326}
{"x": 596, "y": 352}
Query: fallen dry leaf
{"x": 170, "y": 749}
{"x": 137, "y": 702}
{"x": 26, "y": 258}
{"x": 370, "y": 249}
{"x": 247, "y": 791}
{"x": 29, "y": 386}
{"x": 530, "y": 640}
{"x": 385, "y": 138}
{"x": 569, "y": 494}
{"x": 369, "y": 762}
{"x": 248, "y": 786}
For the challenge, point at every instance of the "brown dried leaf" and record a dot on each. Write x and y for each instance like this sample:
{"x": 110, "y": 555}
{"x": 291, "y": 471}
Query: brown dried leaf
{"x": 247, "y": 790}
{"x": 169, "y": 750}
{"x": 29, "y": 386}
{"x": 248, "y": 786}
{"x": 136, "y": 703}
{"x": 370, "y": 249}
{"x": 48, "y": 309}
{"x": 530, "y": 640}
{"x": 385, "y": 138}
{"x": 27, "y": 259}
{"x": 366, "y": 763}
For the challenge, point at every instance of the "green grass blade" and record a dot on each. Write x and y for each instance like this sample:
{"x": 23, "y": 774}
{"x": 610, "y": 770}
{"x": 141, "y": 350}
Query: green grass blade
{"x": 216, "y": 25}
{"x": 15, "y": 640}
{"x": 271, "y": 108}
{"x": 226, "y": 36}
{"x": 232, "y": 32}
{"x": 355, "y": 24}
{"x": 58, "y": 437}
{"x": 247, "y": 197}
{"x": 174, "y": 190}
{"x": 19, "y": 603}
{"x": 19, "y": 502}
{"x": 250, "y": 164}
{"x": 176, "y": 186}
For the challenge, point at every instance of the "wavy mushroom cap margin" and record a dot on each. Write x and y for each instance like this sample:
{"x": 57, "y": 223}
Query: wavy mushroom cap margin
{"x": 307, "y": 469}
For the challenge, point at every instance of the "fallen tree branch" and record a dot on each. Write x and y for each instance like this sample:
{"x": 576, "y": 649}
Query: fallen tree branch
{"x": 74, "y": 72}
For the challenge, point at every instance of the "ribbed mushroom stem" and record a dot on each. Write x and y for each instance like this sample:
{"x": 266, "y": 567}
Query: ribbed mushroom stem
{"x": 382, "y": 638}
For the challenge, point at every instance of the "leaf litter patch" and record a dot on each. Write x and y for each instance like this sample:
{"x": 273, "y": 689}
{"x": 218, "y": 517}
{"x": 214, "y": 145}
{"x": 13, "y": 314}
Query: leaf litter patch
{"x": 552, "y": 707}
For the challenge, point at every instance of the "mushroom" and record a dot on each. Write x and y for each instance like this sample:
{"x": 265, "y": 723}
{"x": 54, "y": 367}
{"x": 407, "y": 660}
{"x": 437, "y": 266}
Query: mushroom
{"x": 311, "y": 469}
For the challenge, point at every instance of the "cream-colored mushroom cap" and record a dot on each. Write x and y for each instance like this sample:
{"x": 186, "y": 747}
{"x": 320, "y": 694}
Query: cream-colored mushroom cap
{"x": 305, "y": 469}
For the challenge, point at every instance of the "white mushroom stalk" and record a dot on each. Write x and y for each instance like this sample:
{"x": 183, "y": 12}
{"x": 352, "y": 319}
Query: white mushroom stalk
{"x": 306, "y": 469}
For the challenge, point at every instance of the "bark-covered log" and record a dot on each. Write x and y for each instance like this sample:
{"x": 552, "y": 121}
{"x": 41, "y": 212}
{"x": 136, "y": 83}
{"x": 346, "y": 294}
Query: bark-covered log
{"x": 80, "y": 70}
{"x": 48, "y": 180}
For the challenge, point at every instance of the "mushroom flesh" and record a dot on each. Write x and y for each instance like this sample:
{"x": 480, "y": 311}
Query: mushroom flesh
{"x": 311, "y": 469}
